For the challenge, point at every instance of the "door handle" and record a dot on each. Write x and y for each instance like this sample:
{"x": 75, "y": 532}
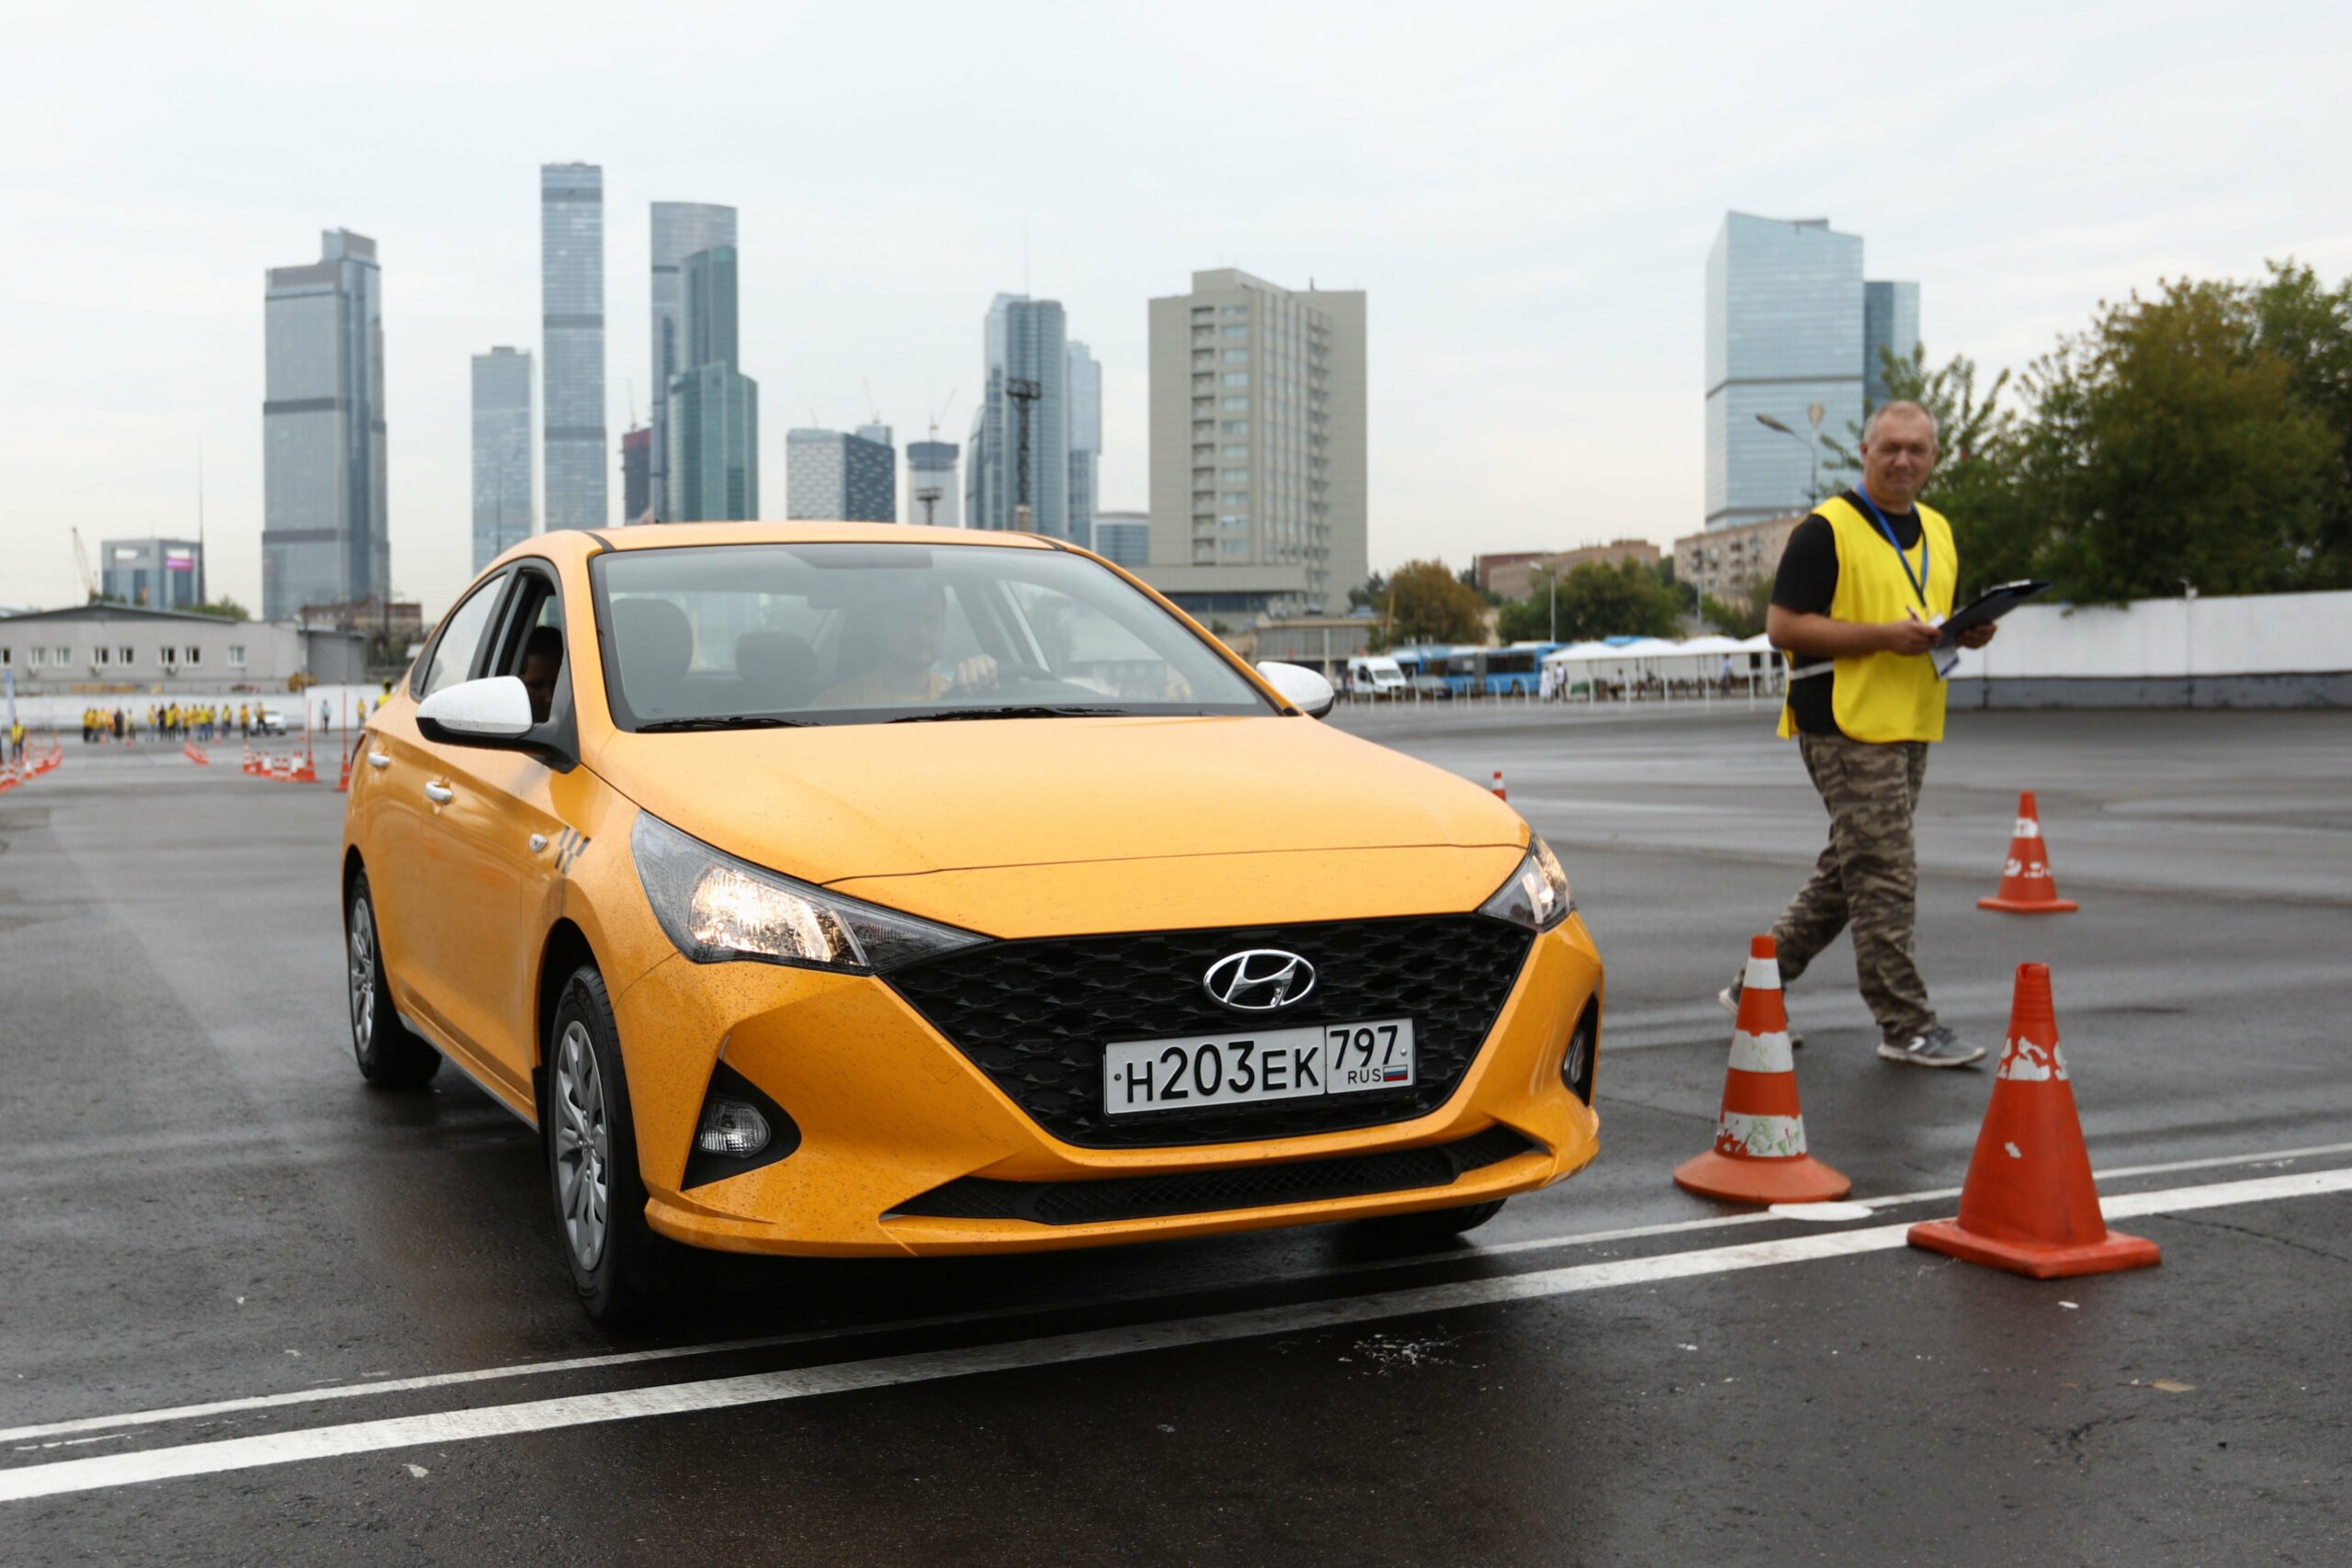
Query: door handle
{"x": 538, "y": 843}
{"x": 378, "y": 762}
{"x": 439, "y": 794}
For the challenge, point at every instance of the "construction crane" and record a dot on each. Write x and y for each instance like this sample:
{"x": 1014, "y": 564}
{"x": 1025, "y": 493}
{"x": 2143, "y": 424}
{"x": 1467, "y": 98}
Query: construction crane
{"x": 81, "y": 566}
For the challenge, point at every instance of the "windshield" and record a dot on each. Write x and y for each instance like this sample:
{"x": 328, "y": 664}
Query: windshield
{"x": 713, "y": 637}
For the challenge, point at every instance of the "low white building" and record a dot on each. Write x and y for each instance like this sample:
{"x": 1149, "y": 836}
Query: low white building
{"x": 124, "y": 650}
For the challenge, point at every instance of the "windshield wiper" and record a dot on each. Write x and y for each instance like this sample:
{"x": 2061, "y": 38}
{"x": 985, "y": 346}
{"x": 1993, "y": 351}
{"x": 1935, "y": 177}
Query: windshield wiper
{"x": 723, "y": 721}
{"x": 1021, "y": 710}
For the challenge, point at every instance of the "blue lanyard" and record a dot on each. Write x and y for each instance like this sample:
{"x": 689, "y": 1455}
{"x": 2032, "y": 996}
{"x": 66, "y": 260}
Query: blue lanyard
{"x": 1918, "y": 582}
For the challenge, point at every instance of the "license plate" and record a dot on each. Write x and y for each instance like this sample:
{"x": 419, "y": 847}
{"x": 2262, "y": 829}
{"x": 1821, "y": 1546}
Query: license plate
{"x": 1304, "y": 1063}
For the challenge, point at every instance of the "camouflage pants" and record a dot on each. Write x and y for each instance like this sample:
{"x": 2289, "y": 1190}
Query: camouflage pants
{"x": 1868, "y": 876}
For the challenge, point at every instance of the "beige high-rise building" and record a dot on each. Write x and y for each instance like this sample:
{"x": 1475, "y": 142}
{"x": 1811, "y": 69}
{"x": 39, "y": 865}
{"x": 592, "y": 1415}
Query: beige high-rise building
{"x": 1258, "y": 445}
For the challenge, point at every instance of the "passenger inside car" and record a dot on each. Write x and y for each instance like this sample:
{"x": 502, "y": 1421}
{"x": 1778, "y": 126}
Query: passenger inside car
{"x": 542, "y": 665}
{"x": 889, "y": 654}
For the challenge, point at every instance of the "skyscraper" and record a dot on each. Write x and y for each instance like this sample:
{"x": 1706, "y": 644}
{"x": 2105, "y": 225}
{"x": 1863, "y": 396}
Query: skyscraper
{"x": 161, "y": 574}
{"x": 1890, "y": 322}
{"x": 1258, "y": 445}
{"x": 1085, "y": 441}
{"x": 502, "y": 452}
{"x": 680, "y": 229}
{"x": 1025, "y": 368}
{"x": 1791, "y": 323}
{"x": 714, "y": 413}
{"x": 636, "y": 474}
{"x": 834, "y": 477}
{"x": 324, "y": 533}
{"x": 1124, "y": 538}
{"x": 932, "y": 496}
{"x": 571, "y": 302}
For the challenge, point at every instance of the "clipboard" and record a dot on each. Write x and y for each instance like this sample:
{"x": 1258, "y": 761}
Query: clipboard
{"x": 1982, "y": 611}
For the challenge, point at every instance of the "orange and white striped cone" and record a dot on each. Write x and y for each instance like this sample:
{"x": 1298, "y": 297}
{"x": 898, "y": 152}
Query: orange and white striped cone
{"x": 304, "y": 771}
{"x": 342, "y": 785}
{"x": 1759, "y": 1154}
{"x": 1499, "y": 786}
{"x": 2029, "y": 1205}
{"x": 2027, "y": 886}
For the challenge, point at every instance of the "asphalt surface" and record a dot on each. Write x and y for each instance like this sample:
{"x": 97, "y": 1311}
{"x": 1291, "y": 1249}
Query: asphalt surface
{"x": 212, "y": 1234}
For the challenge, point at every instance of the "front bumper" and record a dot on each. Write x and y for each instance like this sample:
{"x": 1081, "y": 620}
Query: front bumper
{"x": 890, "y": 1112}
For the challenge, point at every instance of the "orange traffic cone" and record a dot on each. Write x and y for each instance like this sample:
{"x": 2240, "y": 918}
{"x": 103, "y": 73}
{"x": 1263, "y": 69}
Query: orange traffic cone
{"x": 2029, "y": 1205}
{"x": 304, "y": 771}
{"x": 1499, "y": 786}
{"x": 2026, "y": 884}
{"x": 343, "y": 783}
{"x": 1759, "y": 1154}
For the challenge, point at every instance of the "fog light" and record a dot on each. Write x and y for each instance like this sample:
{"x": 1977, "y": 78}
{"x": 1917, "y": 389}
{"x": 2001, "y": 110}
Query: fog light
{"x": 1576, "y": 1065}
{"x": 732, "y": 1128}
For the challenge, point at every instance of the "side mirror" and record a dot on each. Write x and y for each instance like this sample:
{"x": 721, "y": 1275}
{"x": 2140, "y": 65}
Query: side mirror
{"x": 1301, "y": 687}
{"x": 495, "y": 711}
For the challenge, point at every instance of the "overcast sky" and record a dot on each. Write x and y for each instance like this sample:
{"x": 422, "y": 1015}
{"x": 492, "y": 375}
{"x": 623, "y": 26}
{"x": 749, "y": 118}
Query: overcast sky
{"x": 1527, "y": 192}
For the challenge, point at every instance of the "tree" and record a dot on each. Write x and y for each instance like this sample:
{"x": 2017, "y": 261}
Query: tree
{"x": 1428, "y": 603}
{"x": 1598, "y": 599}
{"x": 2310, "y": 326}
{"x": 1743, "y": 617}
{"x": 2169, "y": 444}
{"x": 224, "y": 607}
{"x": 1371, "y": 593}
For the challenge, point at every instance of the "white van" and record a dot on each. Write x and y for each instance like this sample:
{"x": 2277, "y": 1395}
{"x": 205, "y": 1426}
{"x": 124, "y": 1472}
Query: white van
{"x": 1374, "y": 677}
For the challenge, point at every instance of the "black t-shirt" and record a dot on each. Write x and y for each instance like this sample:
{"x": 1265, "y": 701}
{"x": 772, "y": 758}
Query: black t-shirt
{"x": 1807, "y": 583}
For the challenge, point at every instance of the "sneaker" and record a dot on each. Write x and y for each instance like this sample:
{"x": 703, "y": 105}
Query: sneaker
{"x": 1938, "y": 1047}
{"x": 1728, "y": 999}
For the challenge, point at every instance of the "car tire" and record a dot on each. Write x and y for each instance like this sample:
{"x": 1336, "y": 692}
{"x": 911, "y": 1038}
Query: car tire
{"x": 389, "y": 1054}
{"x": 618, "y": 1265}
{"x": 1432, "y": 1226}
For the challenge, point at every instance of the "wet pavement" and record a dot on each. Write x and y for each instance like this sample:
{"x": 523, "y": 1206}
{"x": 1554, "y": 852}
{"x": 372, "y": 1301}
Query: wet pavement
{"x": 251, "y": 1311}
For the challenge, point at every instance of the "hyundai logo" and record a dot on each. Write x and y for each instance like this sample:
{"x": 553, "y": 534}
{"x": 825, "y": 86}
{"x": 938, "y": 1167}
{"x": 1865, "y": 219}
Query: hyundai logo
{"x": 1259, "y": 980}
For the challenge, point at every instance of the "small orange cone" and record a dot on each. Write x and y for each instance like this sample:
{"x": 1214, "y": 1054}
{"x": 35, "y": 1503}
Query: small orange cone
{"x": 1759, "y": 1154}
{"x": 2029, "y": 1205}
{"x": 1499, "y": 786}
{"x": 2026, "y": 884}
{"x": 342, "y": 785}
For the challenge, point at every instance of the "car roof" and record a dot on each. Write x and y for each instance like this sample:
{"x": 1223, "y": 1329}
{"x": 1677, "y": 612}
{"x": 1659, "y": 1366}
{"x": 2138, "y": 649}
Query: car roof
{"x": 673, "y": 535}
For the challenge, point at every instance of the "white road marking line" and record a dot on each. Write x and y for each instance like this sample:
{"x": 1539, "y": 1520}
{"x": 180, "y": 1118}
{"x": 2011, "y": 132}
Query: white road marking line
{"x": 61, "y": 1476}
{"x": 382, "y": 1385}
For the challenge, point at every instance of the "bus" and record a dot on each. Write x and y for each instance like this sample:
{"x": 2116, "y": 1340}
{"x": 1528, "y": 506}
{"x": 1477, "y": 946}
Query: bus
{"x": 1439, "y": 669}
{"x": 1515, "y": 670}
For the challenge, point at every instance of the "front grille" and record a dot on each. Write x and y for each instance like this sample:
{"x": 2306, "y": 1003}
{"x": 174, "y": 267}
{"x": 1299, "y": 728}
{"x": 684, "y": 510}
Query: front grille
{"x": 1208, "y": 1192}
{"x": 1035, "y": 1015}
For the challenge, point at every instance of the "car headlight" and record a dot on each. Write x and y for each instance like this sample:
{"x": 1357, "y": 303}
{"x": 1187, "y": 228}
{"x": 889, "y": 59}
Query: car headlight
{"x": 1536, "y": 896}
{"x": 718, "y": 910}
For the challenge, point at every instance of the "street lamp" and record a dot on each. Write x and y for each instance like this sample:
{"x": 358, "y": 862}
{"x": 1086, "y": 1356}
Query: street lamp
{"x": 1813, "y": 444}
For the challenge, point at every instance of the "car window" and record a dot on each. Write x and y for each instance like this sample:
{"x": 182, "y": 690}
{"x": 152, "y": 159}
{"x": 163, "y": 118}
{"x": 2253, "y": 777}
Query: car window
{"x": 854, "y": 633}
{"x": 460, "y": 637}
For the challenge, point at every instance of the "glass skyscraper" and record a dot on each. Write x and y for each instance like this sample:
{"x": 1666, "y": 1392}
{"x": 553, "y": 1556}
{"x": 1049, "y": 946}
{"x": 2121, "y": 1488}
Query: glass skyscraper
{"x": 571, "y": 302}
{"x": 680, "y": 229}
{"x": 1791, "y": 323}
{"x": 502, "y": 452}
{"x": 1890, "y": 322}
{"x": 714, "y": 408}
{"x": 1085, "y": 442}
{"x": 325, "y": 522}
{"x": 1025, "y": 340}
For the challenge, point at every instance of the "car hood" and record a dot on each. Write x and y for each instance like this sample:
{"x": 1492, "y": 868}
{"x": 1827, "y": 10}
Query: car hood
{"x": 839, "y": 801}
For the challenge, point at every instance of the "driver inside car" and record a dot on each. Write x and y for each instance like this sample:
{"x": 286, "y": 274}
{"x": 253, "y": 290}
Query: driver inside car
{"x": 542, "y": 662}
{"x": 906, "y": 632}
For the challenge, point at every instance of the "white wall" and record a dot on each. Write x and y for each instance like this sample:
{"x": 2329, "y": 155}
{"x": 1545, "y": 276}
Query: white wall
{"x": 2272, "y": 634}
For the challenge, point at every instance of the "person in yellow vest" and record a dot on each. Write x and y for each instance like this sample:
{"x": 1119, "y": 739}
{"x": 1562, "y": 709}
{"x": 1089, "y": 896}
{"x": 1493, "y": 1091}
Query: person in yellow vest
{"x": 1863, "y": 584}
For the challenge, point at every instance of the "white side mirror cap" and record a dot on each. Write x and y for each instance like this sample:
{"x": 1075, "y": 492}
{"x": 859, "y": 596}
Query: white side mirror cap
{"x": 495, "y": 708}
{"x": 1301, "y": 687}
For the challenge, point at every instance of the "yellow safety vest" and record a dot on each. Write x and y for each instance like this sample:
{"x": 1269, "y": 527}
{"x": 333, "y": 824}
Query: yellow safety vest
{"x": 1885, "y": 696}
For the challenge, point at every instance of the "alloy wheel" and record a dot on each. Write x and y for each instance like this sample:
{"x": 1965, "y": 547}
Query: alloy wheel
{"x": 363, "y": 975}
{"x": 583, "y": 1146}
